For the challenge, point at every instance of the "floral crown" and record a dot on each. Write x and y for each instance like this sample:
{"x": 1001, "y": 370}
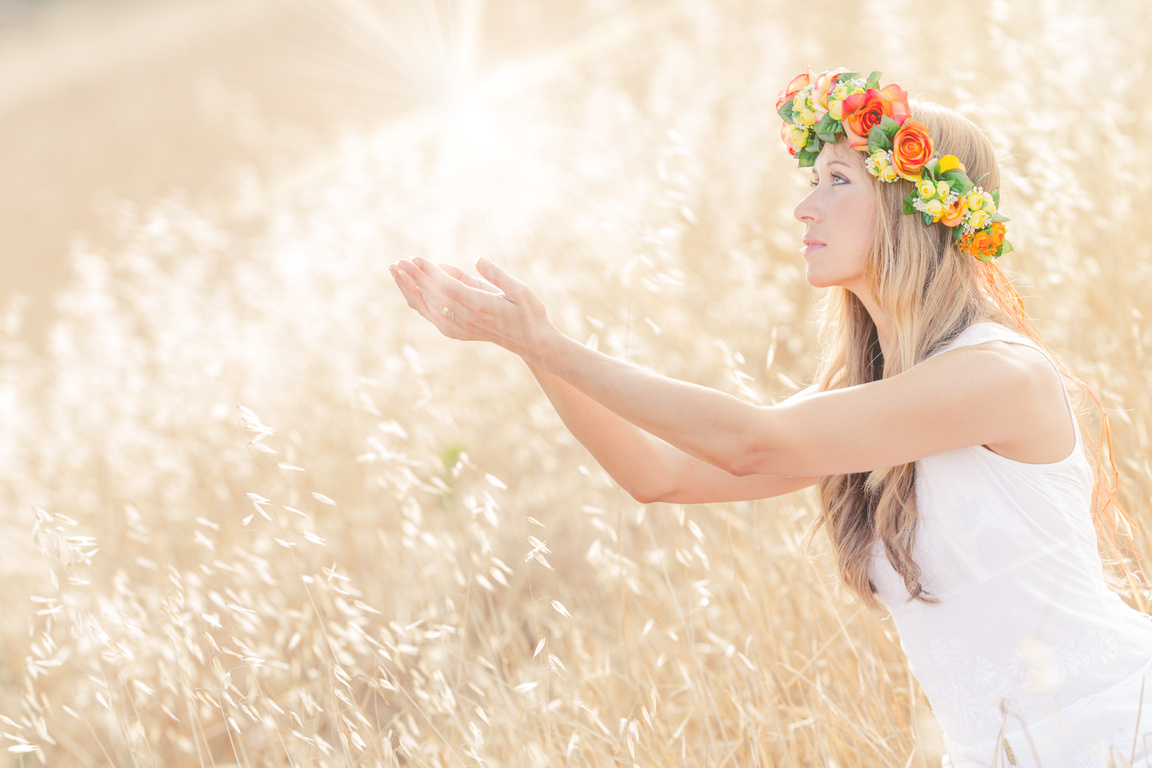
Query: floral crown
{"x": 877, "y": 121}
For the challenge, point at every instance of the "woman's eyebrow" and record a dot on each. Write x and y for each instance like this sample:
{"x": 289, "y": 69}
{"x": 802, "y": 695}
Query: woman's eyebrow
{"x": 829, "y": 164}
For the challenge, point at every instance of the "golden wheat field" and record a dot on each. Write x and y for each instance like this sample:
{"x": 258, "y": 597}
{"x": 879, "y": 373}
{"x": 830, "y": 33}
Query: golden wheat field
{"x": 258, "y": 513}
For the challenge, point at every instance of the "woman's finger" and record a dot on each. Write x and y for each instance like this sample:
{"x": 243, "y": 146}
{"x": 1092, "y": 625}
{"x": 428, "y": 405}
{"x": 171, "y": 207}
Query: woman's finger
{"x": 436, "y": 311}
{"x": 408, "y": 289}
{"x": 512, "y": 288}
{"x": 439, "y": 290}
{"x": 463, "y": 298}
{"x": 478, "y": 283}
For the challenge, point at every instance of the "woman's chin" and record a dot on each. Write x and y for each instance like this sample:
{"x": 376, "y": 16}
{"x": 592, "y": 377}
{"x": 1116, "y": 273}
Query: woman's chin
{"x": 818, "y": 280}
{"x": 821, "y": 279}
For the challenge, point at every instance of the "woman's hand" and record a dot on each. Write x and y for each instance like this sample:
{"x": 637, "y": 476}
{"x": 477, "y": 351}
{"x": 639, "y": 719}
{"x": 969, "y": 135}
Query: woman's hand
{"x": 494, "y": 307}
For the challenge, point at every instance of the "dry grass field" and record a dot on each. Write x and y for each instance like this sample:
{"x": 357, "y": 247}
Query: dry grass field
{"x": 257, "y": 513}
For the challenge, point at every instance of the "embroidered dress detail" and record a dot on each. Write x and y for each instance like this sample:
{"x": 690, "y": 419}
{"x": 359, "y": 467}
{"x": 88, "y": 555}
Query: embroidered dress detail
{"x": 1027, "y": 653}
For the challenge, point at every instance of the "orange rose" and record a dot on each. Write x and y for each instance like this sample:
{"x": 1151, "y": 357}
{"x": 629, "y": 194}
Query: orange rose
{"x": 998, "y": 230}
{"x": 979, "y": 244}
{"x": 864, "y": 111}
{"x": 911, "y": 149}
{"x": 798, "y": 83}
{"x": 955, "y": 213}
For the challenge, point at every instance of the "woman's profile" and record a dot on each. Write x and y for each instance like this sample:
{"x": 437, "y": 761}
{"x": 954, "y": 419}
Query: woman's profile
{"x": 953, "y": 475}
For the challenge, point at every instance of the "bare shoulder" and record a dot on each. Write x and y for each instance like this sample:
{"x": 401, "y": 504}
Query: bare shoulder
{"x": 1027, "y": 381}
{"x": 1020, "y": 368}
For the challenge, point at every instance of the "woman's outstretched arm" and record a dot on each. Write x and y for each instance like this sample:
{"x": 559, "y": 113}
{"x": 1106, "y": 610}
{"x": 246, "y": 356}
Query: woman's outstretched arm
{"x": 648, "y": 468}
{"x": 989, "y": 395}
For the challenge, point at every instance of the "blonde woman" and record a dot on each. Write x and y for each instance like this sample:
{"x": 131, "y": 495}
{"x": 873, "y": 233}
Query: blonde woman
{"x": 954, "y": 480}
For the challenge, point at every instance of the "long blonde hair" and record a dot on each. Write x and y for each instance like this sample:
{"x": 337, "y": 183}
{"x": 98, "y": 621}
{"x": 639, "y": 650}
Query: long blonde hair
{"x": 931, "y": 292}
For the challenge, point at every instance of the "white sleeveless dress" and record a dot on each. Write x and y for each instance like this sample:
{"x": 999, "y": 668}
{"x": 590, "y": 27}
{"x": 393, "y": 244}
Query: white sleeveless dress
{"x": 1027, "y": 656}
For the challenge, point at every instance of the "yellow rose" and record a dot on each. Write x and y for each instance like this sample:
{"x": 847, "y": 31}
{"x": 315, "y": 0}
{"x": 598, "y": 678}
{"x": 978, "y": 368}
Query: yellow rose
{"x": 806, "y": 116}
{"x": 880, "y": 158}
{"x": 926, "y": 188}
{"x": 888, "y": 174}
{"x": 935, "y": 208}
{"x": 942, "y": 189}
{"x": 840, "y": 93}
{"x": 989, "y": 204}
{"x": 799, "y": 137}
{"x": 975, "y": 201}
{"x": 979, "y": 219}
{"x": 836, "y": 109}
{"x": 950, "y": 162}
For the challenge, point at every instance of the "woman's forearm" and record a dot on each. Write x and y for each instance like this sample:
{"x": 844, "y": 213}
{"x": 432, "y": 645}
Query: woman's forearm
{"x": 643, "y": 465}
{"x": 712, "y": 426}
{"x": 649, "y": 468}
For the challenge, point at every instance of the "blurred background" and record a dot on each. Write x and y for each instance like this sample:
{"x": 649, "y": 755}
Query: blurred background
{"x": 256, "y": 513}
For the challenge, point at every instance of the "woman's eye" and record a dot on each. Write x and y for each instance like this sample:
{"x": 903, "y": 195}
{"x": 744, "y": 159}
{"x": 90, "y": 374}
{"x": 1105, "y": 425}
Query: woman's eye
{"x": 837, "y": 178}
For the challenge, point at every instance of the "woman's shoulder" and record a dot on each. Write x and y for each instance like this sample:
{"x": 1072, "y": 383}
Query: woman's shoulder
{"x": 984, "y": 333}
{"x": 992, "y": 347}
{"x": 1025, "y": 377}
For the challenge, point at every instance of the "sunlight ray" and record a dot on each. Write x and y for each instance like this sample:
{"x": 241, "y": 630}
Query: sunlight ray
{"x": 509, "y": 81}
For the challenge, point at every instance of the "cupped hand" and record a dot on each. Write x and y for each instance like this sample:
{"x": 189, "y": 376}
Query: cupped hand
{"x": 493, "y": 306}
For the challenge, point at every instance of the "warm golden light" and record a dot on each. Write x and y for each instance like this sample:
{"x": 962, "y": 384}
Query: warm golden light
{"x": 255, "y": 514}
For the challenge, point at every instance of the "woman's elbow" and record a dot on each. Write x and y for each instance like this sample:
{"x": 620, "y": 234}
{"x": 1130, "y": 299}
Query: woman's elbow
{"x": 645, "y": 496}
{"x": 652, "y": 493}
{"x": 753, "y": 458}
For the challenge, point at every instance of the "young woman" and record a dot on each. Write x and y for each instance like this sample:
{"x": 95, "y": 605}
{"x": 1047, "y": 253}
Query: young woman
{"x": 951, "y": 469}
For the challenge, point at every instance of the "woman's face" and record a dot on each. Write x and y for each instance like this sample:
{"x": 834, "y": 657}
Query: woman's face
{"x": 839, "y": 217}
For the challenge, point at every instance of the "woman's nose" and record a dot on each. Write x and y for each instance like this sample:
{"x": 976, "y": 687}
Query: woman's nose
{"x": 806, "y": 210}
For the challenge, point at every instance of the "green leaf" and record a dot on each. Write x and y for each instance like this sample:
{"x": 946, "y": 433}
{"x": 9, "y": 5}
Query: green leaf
{"x": 807, "y": 156}
{"x": 874, "y": 79}
{"x": 909, "y": 199}
{"x": 959, "y": 181}
{"x": 889, "y": 125}
{"x": 999, "y": 217}
{"x": 450, "y": 455}
{"x": 995, "y": 195}
{"x": 1005, "y": 248}
{"x": 787, "y": 114}
{"x": 927, "y": 219}
{"x": 878, "y": 140}
{"x": 828, "y": 128}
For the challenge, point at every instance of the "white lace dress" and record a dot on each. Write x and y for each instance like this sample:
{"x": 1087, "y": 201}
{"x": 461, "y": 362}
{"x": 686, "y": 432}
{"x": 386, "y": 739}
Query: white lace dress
{"x": 1028, "y": 658}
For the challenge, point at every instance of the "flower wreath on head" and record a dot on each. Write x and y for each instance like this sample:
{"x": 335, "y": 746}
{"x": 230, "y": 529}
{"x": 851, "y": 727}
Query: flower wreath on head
{"x": 877, "y": 121}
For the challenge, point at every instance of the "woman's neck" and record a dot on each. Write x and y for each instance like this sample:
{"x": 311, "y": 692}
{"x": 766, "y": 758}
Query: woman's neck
{"x": 881, "y": 320}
